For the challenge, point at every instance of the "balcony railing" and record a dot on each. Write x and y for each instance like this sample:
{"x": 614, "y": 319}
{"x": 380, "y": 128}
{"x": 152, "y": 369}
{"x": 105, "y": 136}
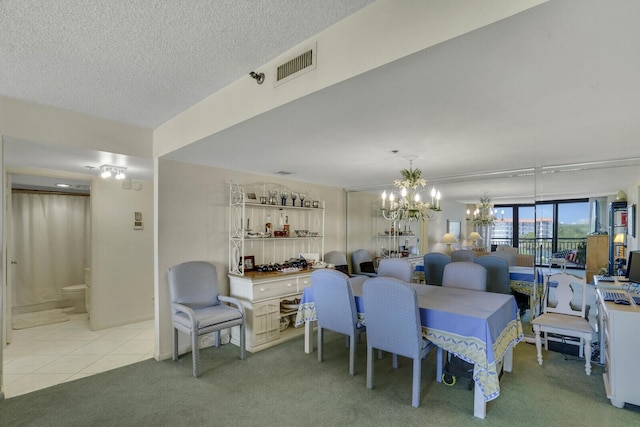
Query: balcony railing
{"x": 542, "y": 248}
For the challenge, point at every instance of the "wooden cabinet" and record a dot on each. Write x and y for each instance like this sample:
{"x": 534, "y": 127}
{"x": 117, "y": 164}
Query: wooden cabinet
{"x": 261, "y": 295}
{"x": 597, "y": 254}
{"x": 620, "y": 346}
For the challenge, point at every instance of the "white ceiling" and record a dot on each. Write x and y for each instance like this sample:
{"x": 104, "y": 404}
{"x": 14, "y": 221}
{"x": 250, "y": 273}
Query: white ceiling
{"x": 555, "y": 87}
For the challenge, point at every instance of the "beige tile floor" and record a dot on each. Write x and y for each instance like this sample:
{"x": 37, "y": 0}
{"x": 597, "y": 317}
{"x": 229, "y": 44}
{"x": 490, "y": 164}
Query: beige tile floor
{"x": 44, "y": 356}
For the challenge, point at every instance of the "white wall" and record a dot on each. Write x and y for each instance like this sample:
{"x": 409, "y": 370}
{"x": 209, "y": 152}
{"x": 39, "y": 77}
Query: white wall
{"x": 122, "y": 258}
{"x": 193, "y": 224}
{"x": 378, "y": 34}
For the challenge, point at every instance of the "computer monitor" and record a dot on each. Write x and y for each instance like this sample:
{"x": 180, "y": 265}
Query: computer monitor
{"x": 633, "y": 267}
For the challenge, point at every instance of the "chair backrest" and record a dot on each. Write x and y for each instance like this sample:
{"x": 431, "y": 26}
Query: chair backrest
{"x": 463, "y": 255}
{"x": 334, "y": 301}
{"x": 397, "y": 268}
{"x": 194, "y": 284}
{"x": 467, "y": 275}
{"x": 498, "y": 279}
{"x": 506, "y": 248}
{"x": 510, "y": 257}
{"x": 338, "y": 259}
{"x": 567, "y": 287}
{"x": 360, "y": 257}
{"x": 434, "y": 263}
{"x": 392, "y": 316}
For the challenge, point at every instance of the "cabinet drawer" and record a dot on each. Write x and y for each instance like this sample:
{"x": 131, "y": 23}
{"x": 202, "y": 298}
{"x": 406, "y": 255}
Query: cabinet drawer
{"x": 274, "y": 289}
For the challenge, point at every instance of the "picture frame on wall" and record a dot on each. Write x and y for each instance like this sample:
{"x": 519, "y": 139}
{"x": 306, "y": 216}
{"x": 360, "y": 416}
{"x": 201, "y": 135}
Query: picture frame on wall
{"x": 631, "y": 220}
{"x": 453, "y": 227}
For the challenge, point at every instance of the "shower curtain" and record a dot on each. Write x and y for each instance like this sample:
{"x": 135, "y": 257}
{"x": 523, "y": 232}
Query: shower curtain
{"x": 51, "y": 235}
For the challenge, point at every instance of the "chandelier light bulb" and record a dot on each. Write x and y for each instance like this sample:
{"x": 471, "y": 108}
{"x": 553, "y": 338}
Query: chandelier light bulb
{"x": 106, "y": 174}
{"x": 416, "y": 198}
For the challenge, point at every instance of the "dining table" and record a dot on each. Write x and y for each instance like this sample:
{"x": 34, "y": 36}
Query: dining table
{"x": 528, "y": 281}
{"x": 479, "y": 327}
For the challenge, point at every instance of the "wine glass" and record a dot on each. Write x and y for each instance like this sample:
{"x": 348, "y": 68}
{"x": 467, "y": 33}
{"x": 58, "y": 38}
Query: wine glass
{"x": 294, "y": 196}
{"x": 302, "y": 197}
{"x": 283, "y": 197}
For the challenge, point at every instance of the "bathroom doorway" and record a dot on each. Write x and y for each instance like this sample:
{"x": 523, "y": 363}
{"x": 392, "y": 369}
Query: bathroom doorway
{"x": 48, "y": 247}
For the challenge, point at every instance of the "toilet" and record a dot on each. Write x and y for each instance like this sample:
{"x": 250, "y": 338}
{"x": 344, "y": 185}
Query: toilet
{"x": 76, "y": 293}
{"x": 79, "y": 294}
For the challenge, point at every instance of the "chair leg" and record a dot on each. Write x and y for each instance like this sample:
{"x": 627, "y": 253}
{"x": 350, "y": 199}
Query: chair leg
{"x": 369, "y": 367}
{"x": 243, "y": 350}
{"x": 417, "y": 370}
{"x": 175, "y": 344}
{"x": 195, "y": 351}
{"x": 216, "y": 341}
{"x": 319, "y": 344}
{"x": 536, "y": 330}
{"x": 352, "y": 355}
{"x": 587, "y": 355}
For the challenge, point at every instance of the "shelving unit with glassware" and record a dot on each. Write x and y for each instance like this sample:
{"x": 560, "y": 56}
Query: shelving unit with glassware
{"x": 270, "y": 297}
{"x": 617, "y": 237}
{"x": 394, "y": 239}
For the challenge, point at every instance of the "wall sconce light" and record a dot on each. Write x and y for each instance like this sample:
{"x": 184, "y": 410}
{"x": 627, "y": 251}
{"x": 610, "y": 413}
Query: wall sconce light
{"x": 107, "y": 171}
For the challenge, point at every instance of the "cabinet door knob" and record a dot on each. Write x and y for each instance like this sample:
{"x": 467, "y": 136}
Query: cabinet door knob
{"x": 261, "y": 289}
{"x": 289, "y": 285}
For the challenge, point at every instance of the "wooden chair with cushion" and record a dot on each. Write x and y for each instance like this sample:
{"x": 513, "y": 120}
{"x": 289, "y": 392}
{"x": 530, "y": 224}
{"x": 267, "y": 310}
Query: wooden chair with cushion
{"x": 561, "y": 317}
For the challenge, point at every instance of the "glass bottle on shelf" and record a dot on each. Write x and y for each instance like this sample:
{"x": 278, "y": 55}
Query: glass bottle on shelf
{"x": 286, "y": 226}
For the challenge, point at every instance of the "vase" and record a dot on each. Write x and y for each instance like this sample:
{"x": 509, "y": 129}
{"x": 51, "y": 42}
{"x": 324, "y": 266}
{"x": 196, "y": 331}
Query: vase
{"x": 485, "y": 231}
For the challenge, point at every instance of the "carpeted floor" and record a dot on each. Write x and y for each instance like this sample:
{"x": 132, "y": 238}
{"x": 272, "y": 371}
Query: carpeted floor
{"x": 38, "y": 318}
{"x": 284, "y": 386}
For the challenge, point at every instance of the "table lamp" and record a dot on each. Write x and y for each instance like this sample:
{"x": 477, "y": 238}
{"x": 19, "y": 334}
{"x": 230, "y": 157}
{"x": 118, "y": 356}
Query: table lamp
{"x": 448, "y": 238}
{"x": 474, "y": 237}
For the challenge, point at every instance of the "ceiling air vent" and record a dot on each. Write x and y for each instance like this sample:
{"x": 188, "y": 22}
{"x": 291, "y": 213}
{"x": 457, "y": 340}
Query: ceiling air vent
{"x": 297, "y": 66}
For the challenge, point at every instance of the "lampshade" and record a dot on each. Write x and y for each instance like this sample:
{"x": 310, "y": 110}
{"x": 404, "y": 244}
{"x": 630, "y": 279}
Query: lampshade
{"x": 474, "y": 236}
{"x": 448, "y": 238}
{"x": 619, "y": 238}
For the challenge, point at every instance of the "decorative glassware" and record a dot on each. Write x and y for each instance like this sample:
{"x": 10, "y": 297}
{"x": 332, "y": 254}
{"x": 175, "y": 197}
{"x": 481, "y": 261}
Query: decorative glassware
{"x": 283, "y": 197}
{"x": 294, "y": 196}
{"x": 302, "y": 197}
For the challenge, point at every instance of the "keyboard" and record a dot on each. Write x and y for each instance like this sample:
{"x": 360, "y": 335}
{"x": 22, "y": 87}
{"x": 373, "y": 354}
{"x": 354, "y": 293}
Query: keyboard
{"x": 601, "y": 278}
{"x": 614, "y": 295}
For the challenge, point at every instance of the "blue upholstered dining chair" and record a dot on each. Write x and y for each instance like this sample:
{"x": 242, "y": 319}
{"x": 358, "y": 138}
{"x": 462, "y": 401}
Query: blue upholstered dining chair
{"x": 510, "y": 257}
{"x": 463, "y": 255}
{"x": 467, "y": 275}
{"x": 397, "y": 268}
{"x": 362, "y": 263}
{"x": 393, "y": 325}
{"x": 336, "y": 310}
{"x": 498, "y": 279}
{"x": 197, "y": 309}
{"x": 434, "y": 263}
{"x": 338, "y": 259}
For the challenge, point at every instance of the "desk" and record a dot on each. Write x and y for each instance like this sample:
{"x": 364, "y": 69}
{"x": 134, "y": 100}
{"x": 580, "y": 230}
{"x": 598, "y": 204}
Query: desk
{"x": 479, "y": 327}
{"x": 620, "y": 345}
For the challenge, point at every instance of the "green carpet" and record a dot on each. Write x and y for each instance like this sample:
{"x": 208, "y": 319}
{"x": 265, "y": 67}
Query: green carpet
{"x": 284, "y": 386}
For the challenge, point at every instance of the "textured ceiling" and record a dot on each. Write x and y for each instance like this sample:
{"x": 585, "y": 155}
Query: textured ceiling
{"x": 142, "y": 62}
{"x": 553, "y": 89}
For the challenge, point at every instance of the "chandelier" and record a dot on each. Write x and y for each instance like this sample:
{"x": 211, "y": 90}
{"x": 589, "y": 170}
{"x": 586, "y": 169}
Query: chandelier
{"x": 405, "y": 202}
